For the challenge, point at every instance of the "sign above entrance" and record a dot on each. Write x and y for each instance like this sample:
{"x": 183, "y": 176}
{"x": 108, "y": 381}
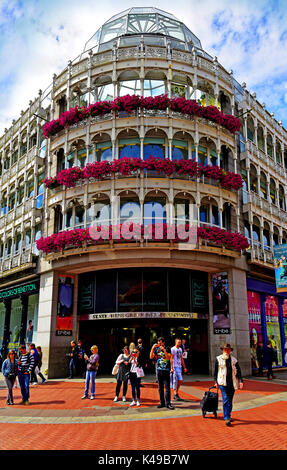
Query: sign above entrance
{"x": 29, "y": 288}
{"x": 125, "y": 315}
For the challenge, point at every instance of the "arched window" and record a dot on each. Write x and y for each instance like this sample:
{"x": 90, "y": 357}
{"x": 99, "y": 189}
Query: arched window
{"x": 128, "y": 143}
{"x": 250, "y": 129}
{"x": 154, "y": 144}
{"x": 101, "y": 211}
{"x": 260, "y": 138}
{"x": 101, "y": 149}
{"x": 208, "y": 213}
{"x": 39, "y": 203}
{"x": 130, "y": 210}
{"x": 154, "y": 210}
{"x": 269, "y": 145}
{"x": 263, "y": 185}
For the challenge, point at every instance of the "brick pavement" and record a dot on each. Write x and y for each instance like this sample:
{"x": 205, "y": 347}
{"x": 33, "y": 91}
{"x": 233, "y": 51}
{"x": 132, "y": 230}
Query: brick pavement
{"x": 58, "y": 419}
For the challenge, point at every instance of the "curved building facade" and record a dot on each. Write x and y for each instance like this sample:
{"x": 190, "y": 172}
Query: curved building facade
{"x": 157, "y": 197}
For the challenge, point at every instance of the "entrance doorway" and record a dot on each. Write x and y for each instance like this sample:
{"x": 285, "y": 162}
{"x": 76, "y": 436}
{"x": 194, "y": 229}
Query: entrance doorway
{"x": 112, "y": 335}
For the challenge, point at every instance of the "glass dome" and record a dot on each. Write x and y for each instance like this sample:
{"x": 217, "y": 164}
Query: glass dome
{"x": 129, "y": 25}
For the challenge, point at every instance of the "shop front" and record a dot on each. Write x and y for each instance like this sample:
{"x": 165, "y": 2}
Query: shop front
{"x": 117, "y": 307}
{"x": 267, "y": 316}
{"x": 18, "y": 310}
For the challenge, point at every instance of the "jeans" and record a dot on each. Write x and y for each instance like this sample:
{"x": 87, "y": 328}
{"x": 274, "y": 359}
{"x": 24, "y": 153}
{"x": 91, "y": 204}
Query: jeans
{"x": 227, "y": 398}
{"x": 24, "y": 380}
{"x": 163, "y": 377}
{"x": 90, "y": 376}
{"x": 135, "y": 384}
{"x": 10, "y": 382}
{"x": 73, "y": 366}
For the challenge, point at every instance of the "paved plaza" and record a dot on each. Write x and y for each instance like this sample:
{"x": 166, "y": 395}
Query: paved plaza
{"x": 58, "y": 419}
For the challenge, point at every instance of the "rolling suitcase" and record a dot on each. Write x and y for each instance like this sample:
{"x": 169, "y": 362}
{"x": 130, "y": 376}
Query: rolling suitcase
{"x": 209, "y": 403}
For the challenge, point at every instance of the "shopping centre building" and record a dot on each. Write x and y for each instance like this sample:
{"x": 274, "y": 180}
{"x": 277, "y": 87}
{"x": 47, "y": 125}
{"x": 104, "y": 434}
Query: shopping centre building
{"x": 141, "y": 196}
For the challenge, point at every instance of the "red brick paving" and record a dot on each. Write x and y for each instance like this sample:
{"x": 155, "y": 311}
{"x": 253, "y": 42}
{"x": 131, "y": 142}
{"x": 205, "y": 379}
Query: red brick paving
{"x": 260, "y": 428}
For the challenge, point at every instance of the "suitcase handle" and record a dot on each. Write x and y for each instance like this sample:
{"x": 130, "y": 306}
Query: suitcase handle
{"x": 213, "y": 386}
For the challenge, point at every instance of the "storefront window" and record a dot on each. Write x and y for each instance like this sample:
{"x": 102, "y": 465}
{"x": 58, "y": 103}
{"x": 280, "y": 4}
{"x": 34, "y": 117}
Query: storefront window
{"x": 130, "y": 290}
{"x": 15, "y": 323}
{"x": 154, "y": 290}
{"x": 33, "y": 304}
{"x": 272, "y": 325}
{"x": 2, "y": 321}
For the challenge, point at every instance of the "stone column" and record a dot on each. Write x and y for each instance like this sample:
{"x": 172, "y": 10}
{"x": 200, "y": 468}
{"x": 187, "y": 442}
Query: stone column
{"x": 239, "y": 327}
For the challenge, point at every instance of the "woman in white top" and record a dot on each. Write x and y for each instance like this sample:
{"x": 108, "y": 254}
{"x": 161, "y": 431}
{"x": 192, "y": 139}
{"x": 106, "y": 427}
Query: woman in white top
{"x": 134, "y": 379}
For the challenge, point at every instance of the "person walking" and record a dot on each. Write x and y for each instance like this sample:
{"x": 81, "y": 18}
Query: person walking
{"x": 162, "y": 358}
{"x": 10, "y": 372}
{"x": 25, "y": 365}
{"x": 74, "y": 356}
{"x": 177, "y": 364}
{"x": 33, "y": 376}
{"x": 81, "y": 359}
{"x": 91, "y": 372}
{"x": 260, "y": 358}
{"x": 39, "y": 365}
{"x": 134, "y": 378}
{"x": 269, "y": 355}
{"x": 123, "y": 373}
{"x": 227, "y": 376}
{"x": 141, "y": 358}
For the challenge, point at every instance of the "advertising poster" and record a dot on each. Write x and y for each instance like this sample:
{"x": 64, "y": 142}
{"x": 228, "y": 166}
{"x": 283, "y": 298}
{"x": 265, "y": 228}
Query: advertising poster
{"x": 280, "y": 263}
{"x": 220, "y": 300}
{"x": 284, "y": 308}
{"x": 272, "y": 325}
{"x": 255, "y": 329}
{"x": 64, "y": 325}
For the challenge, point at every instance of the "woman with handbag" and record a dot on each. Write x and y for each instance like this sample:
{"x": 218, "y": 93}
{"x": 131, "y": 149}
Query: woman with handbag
{"x": 123, "y": 373}
{"x": 10, "y": 372}
{"x": 136, "y": 373}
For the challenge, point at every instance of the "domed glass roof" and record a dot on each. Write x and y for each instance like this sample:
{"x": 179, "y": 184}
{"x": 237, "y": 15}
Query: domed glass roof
{"x": 142, "y": 22}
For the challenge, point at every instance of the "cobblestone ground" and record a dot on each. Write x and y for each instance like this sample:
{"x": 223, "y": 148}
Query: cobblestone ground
{"x": 58, "y": 419}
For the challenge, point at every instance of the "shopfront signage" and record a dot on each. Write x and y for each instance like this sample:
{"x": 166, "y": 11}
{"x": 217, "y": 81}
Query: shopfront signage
{"x": 126, "y": 315}
{"x": 31, "y": 288}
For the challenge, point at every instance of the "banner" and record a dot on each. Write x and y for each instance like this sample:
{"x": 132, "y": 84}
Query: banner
{"x": 280, "y": 263}
{"x": 272, "y": 325}
{"x": 64, "y": 325}
{"x": 220, "y": 300}
{"x": 255, "y": 328}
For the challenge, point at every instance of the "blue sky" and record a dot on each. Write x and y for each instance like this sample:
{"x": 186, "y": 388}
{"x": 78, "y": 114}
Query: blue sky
{"x": 39, "y": 37}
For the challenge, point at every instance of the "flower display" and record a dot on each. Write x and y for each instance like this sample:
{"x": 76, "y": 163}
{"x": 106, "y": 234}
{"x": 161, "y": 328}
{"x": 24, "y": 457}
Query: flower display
{"x": 128, "y": 166}
{"x": 126, "y": 232}
{"x": 130, "y": 103}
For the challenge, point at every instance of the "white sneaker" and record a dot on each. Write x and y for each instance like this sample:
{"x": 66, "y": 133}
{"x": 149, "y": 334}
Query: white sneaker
{"x": 133, "y": 403}
{"x": 124, "y": 399}
{"x": 116, "y": 399}
{"x": 138, "y": 403}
